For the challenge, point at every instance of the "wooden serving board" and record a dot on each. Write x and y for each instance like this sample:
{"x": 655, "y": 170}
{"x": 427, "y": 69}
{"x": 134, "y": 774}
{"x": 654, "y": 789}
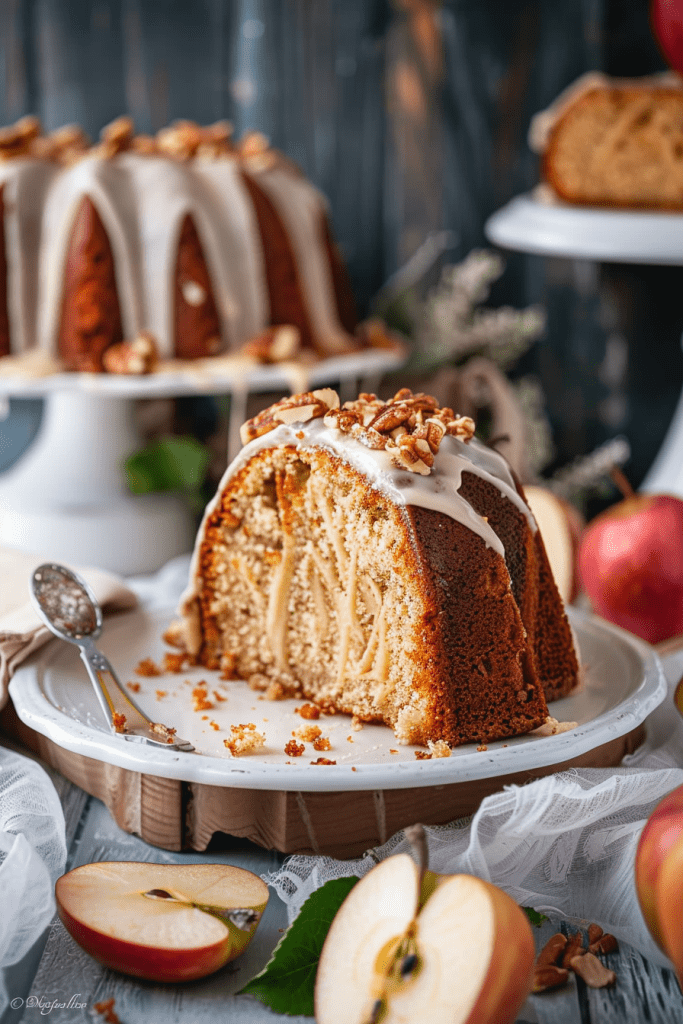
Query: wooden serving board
{"x": 177, "y": 815}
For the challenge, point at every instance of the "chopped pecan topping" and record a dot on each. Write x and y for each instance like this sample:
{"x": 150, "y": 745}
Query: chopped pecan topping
{"x": 410, "y": 427}
{"x": 547, "y": 976}
{"x": 593, "y": 972}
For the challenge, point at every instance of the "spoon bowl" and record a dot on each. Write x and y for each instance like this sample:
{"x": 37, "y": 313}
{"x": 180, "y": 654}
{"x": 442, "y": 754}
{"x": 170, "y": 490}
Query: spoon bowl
{"x": 70, "y": 610}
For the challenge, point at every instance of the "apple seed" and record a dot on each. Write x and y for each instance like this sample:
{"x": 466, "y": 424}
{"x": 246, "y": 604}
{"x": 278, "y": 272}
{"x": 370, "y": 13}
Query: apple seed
{"x": 159, "y": 894}
{"x": 408, "y": 965}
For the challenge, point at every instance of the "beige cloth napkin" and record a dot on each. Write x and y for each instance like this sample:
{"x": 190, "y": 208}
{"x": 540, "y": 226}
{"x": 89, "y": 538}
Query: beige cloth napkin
{"x": 21, "y": 631}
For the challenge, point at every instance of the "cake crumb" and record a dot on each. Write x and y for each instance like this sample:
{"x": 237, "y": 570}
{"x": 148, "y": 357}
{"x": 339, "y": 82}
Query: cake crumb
{"x": 244, "y": 739}
{"x": 439, "y": 748}
{"x": 422, "y": 755}
{"x": 118, "y": 721}
{"x": 356, "y": 724}
{"x": 353, "y": 768}
{"x": 219, "y": 696}
{"x": 391, "y": 751}
{"x": 482, "y": 747}
{"x": 323, "y": 760}
{"x": 161, "y": 694}
{"x": 307, "y": 733}
{"x": 349, "y": 739}
{"x": 205, "y": 718}
{"x": 310, "y": 711}
{"x": 135, "y": 687}
{"x": 174, "y": 635}
{"x": 214, "y": 725}
{"x": 175, "y": 662}
{"x": 276, "y": 691}
{"x": 147, "y": 667}
{"x": 258, "y": 681}
{"x": 322, "y": 743}
{"x": 199, "y": 696}
{"x": 164, "y": 732}
{"x": 294, "y": 749}
{"x": 551, "y": 727}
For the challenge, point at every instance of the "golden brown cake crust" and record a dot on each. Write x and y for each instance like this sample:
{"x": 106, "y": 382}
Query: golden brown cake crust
{"x": 619, "y": 146}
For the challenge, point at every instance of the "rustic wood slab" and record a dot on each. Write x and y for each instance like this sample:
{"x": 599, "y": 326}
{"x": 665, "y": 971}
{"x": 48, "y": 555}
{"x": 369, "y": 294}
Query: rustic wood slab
{"x": 178, "y": 815}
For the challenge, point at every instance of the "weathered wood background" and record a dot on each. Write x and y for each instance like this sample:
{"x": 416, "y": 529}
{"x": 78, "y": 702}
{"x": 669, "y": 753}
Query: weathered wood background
{"x": 412, "y": 117}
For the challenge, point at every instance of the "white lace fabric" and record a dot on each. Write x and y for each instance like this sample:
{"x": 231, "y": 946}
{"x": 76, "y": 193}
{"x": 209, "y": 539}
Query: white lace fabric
{"x": 564, "y": 845}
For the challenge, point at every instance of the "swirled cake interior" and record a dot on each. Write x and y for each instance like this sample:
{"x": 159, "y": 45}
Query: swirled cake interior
{"x": 315, "y": 575}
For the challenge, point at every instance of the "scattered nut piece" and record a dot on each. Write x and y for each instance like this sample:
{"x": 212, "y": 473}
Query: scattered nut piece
{"x": 593, "y": 971}
{"x": 552, "y": 951}
{"x": 547, "y": 976}
{"x": 605, "y": 944}
{"x": 135, "y": 357}
{"x": 595, "y": 932}
{"x": 106, "y": 1010}
{"x": 147, "y": 668}
{"x": 244, "y": 739}
{"x": 294, "y": 749}
{"x": 573, "y": 949}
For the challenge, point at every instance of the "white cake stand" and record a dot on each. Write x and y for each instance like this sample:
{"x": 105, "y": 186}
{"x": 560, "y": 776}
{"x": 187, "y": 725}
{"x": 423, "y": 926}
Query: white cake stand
{"x": 67, "y": 497}
{"x": 614, "y": 236}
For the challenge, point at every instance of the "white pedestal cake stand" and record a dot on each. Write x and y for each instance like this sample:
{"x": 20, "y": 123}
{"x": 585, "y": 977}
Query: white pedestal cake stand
{"x": 67, "y": 496}
{"x": 614, "y": 236}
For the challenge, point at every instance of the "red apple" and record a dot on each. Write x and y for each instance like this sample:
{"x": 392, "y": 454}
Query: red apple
{"x": 662, "y": 834}
{"x": 163, "y": 922}
{"x": 669, "y": 905}
{"x": 666, "y": 17}
{"x": 561, "y": 526}
{"x": 631, "y": 565}
{"x": 426, "y": 949}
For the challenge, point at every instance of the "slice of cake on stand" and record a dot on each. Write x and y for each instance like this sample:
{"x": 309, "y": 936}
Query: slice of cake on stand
{"x": 380, "y": 561}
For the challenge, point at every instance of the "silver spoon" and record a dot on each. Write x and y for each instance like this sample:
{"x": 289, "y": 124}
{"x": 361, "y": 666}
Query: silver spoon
{"x": 70, "y": 610}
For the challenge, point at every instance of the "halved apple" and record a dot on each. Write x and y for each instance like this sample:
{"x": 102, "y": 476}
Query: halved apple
{"x": 163, "y": 922}
{"x": 427, "y": 949}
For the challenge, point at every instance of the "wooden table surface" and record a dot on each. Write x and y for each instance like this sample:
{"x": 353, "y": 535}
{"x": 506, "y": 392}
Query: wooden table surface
{"x": 57, "y": 970}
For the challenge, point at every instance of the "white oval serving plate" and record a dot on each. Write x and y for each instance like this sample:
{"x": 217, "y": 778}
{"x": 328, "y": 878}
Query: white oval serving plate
{"x": 622, "y": 683}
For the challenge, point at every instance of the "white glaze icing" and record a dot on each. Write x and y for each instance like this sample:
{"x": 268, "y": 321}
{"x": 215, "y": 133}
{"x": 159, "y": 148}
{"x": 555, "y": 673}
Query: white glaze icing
{"x": 438, "y": 490}
{"x": 142, "y": 201}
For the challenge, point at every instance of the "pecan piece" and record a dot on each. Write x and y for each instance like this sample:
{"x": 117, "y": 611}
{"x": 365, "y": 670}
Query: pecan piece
{"x": 552, "y": 951}
{"x": 573, "y": 949}
{"x": 605, "y": 944}
{"x": 549, "y": 976}
{"x": 593, "y": 972}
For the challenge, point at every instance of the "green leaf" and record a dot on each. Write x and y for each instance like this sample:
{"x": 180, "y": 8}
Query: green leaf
{"x": 168, "y": 464}
{"x": 535, "y": 918}
{"x": 287, "y": 982}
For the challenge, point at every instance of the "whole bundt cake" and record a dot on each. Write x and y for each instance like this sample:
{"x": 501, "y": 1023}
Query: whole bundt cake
{"x": 187, "y": 238}
{"x": 381, "y": 561}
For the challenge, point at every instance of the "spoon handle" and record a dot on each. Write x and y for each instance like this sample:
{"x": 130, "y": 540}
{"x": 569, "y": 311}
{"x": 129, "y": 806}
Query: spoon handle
{"x": 122, "y": 713}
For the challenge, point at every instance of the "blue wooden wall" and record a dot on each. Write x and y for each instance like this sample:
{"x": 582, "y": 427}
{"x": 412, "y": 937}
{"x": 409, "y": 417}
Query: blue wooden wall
{"x": 405, "y": 129}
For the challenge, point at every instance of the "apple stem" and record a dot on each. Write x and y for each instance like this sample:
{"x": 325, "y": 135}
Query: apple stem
{"x": 621, "y": 481}
{"x": 417, "y": 837}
